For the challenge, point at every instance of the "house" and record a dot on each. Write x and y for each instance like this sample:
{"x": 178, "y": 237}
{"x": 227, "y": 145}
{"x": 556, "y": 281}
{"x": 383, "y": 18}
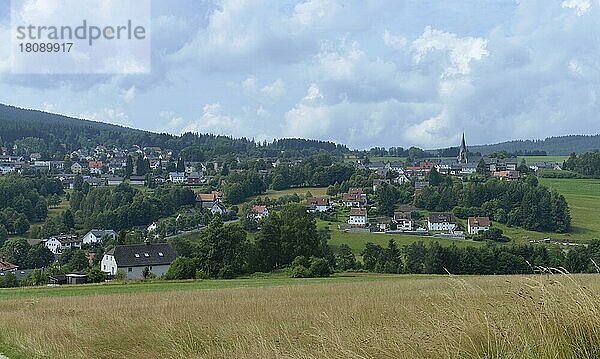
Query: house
{"x": 420, "y": 185}
{"x": 177, "y": 177}
{"x": 354, "y": 198}
{"x": 113, "y": 180}
{"x": 95, "y": 167}
{"x": 318, "y": 204}
{"x": 133, "y": 259}
{"x": 94, "y": 182}
{"x": 441, "y": 222}
{"x": 6, "y": 266}
{"x": 378, "y": 182}
{"x": 403, "y": 220}
{"x": 96, "y": 235}
{"x": 401, "y": 179}
{"x": 260, "y": 212}
{"x": 137, "y": 180}
{"x": 358, "y": 217}
{"x": 153, "y": 227}
{"x": 208, "y": 200}
{"x": 76, "y": 168}
{"x": 194, "y": 178}
{"x": 478, "y": 224}
{"x": 508, "y": 175}
{"x": 57, "y": 244}
{"x": 218, "y": 208}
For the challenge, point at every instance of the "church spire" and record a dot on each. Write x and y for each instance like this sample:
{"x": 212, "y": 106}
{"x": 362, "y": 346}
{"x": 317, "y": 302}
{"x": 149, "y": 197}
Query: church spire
{"x": 462, "y": 152}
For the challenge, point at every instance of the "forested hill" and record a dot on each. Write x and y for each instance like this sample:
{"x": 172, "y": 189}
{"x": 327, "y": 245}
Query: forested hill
{"x": 61, "y": 134}
{"x": 553, "y": 146}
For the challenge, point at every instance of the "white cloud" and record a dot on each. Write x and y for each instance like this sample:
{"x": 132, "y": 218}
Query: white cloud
{"x": 395, "y": 42}
{"x": 313, "y": 13}
{"x": 274, "y": 90}
{"x": 313, "y": 93}
{"x": 461, "y": 51}
{"x": 214, "y": 121}
{"x": 114, "y": 115}
{"x": 581, "y": 7}
{"x": 129, "y": 95}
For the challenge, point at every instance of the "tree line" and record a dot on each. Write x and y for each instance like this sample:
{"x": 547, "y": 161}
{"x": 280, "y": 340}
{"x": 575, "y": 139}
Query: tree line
{"x": 124, "y": 207}
{"x": 24, "y": 200}
{"x": 516, "y": 203}
{"x": 587, "y": 164}
{"x": 432, "y": 258}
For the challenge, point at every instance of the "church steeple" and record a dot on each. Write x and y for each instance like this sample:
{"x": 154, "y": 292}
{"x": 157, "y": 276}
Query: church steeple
{"x": 462, "y": 152}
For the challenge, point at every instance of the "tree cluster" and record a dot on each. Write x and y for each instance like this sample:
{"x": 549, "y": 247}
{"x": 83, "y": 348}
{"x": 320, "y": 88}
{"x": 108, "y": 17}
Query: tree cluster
{"x": 521, "y": 203}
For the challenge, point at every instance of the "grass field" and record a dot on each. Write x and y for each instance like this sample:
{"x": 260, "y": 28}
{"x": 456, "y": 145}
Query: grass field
{"x": 583, "y": 196}
{"x": 536, "y": 159}
{"x": 357, "y": 241}
{"x": 370, "y": 317}
{"x": 316, "y": 191}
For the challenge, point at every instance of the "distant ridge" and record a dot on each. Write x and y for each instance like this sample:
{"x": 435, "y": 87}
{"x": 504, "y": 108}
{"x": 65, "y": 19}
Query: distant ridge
{"x": 553, "y": 146}
{"x": 70, "y": 133}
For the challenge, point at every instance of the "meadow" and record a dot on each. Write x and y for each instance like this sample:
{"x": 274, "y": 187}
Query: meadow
{"x": 538, "y": 159}
{"x": 374, "y": 316}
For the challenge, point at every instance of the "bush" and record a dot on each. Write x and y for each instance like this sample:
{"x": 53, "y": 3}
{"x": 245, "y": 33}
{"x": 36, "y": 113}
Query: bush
{"x": 120, "y": 275}
{"x": 95, "y": 275}
{"x": 319, "y": 267}
{"x": 181, "y": 268}
{"x": 9, "y": 280}
{"x": 200, "y": 274}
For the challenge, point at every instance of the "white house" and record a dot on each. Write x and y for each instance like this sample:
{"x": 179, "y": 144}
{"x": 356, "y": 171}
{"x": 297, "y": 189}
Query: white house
{"x": 441, "y": 222}
{"x": 218, "y": 208}
{"x": 133, "y": 259}
{"x": 177, "y": 177}
{"x": 76, "y": 168}
{"x": 318, "y": 204}
{"x": 95, "y": 236}
{"x": 57, "y": 244}
{"x": 153, "y": 227}
{"x": 358, "y": 217}
{"x": 478, "y": 224}
{"x": 403, "y": 221}
{"x": 260, "y": 212}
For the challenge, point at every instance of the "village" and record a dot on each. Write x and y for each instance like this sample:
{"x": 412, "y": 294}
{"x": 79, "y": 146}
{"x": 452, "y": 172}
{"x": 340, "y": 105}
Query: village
{"x": 102, "y": 167}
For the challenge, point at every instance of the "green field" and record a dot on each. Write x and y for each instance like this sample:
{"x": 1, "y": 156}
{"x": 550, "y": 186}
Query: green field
{"x": 316, "y": 191}
{"x": 357, "y": 241}
{"x": 352, "y": 316}
{"x": 583, "y": 196}
{"x": 536, "y": 159}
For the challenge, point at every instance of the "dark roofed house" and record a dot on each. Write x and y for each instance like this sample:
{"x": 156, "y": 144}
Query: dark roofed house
{"x": 318, "y": 204}
{"x": 441, "y": 222}
{"x": 132, "y": 259}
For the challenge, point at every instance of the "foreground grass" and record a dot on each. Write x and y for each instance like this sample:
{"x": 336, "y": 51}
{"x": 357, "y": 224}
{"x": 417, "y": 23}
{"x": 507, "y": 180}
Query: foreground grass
{"x": 403, "y": 317}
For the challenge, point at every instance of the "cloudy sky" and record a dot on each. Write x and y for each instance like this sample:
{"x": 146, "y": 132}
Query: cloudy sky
{"x": 363, "y": 73}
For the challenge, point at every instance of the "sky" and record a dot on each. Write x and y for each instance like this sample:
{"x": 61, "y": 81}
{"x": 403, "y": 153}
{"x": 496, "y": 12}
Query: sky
{"x": 363, "y": 73}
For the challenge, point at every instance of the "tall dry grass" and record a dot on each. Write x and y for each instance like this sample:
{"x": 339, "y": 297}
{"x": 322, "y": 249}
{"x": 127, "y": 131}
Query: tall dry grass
{"x": 544, "y": 316}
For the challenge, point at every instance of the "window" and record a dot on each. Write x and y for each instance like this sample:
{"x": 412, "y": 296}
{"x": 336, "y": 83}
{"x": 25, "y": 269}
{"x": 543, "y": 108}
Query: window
{"x": 137, "y": 255}
{"x": 146, "y": 255}
{"x": 104, "y": 267}
{"x": 130, "y": 269}
{"x": 160, "y": 254}
{"x": 150, "y": 268}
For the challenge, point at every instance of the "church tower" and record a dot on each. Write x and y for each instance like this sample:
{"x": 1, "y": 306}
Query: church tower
{"x": 462, "y": 152}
